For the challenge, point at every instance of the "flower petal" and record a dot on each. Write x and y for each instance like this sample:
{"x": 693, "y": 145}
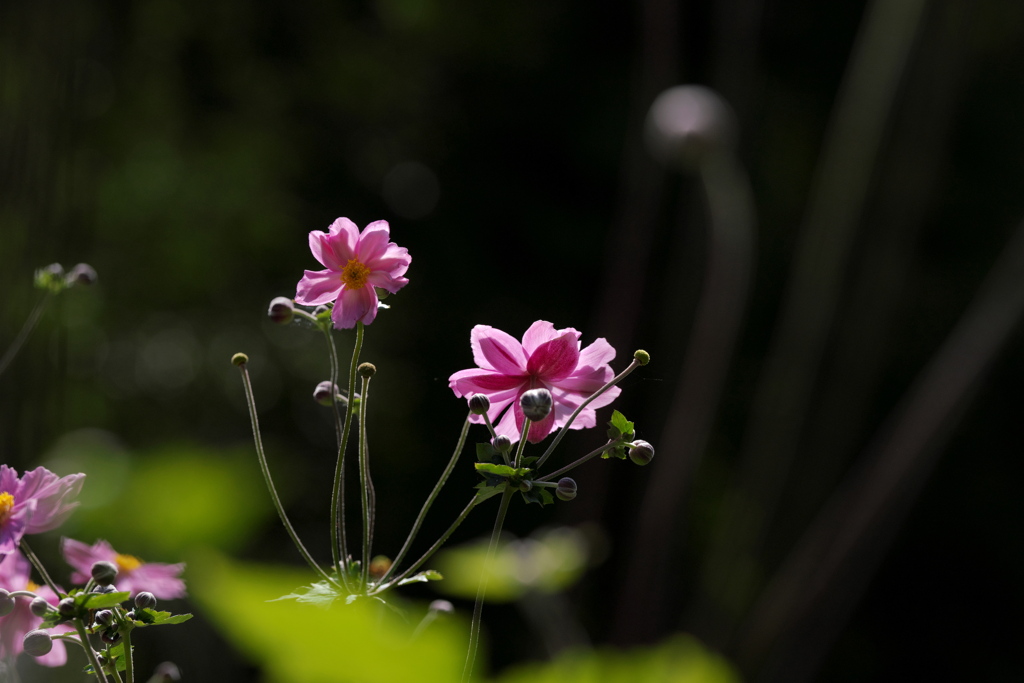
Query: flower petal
{"x": 318, "y": 287}
{"x": 496, "y": 350}
{"x": 384, "y": 280}
{"x": 597, "y": 354}
{"x": 355, "y": 305}
{"x": 54, "y": 497}
{"x": 373, "y": 242}
{"x": 478, "y": 381}
{"x": 162, "y": 580}
{"x": 552, "y": 360}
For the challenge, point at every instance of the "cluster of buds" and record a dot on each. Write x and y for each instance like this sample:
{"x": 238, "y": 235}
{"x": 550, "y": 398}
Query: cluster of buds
{"x": 52, "y": 278}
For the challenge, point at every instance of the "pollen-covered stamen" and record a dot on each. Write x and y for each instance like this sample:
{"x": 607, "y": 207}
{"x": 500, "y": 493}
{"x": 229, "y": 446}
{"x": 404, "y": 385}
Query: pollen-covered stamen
{"x": 355, "y": 274}
{"x": 6, "y": 505}
{"x": 127, "y": 563}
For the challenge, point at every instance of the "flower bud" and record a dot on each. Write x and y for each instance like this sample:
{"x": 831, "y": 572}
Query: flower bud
{"x": 479, "y": 404}
{"x": 82, "y": 274}
{"x": 37, "y": 643}
{"x": 379, "y": 566}
{"x": 689, "y": 124}
{"x": 502, "y": 443}
{"x": 145, "y": 600}
{"x": 320, "y": 311}
{"x": 51, "y": 277}
{"x": 641, "y": 452}
{"x": 525, "y": 485}
{"x": 536, "y": 404}
{"x": 6, "y": 603}
{"x": 67, "y": 608}
{"x": 104, "y": 617}
{"x": 566, "y": 488}
{"x": 167, "y": 672}
{"x": 366, "y": 370}
{"x": 641, "y": 357}
{"x": 282, "y": 310}
{"x": 110, "y": 636}
{"x": 104, "y": 589}
{"x": 104, "y": 572}
{"x": 39, "y": 607}
{"x": 442, "y": 606}
{"x": 326, "y": 393}
{"x": 239, "y": 359}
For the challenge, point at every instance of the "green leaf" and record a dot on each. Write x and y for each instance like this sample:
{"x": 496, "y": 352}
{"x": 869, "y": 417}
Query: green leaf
{"x": 620, "y": 423}
{"x": 539, "y": 495}
{"x": 491, "y": 468}
{"x": 422, "y": 577}
{"x": 150, "y": 617}
{"x": 322, "y": 594}
{"x": 485, "y": 452}
{"x": 101, "y": 600}
{"x": 486, "y": 492}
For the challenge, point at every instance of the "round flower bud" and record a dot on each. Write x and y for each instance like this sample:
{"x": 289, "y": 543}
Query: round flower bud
{"x": 642, "y": 357}
{"x": 145, "y": 600}
{"x": 6, "y": 603}
{"x": 282, "y": 310}
{"x": 239, "y": 359}
{"x": 110, "y": 636}
{"x": 51, "y": 277}
{"x": 37, "y": 643}
{"x": 366, "y": 370}
{"x": 104, "y": 617}
{"x": 442, "y": 606}
{"x": 689, "y": 124}
{"x": 479, "y": 404}
{"x": 566, "y": 488}
{"x": 167, "y": 672}
{"x": 104, "y": 572}
{"x": 641, "y": 452}
{"x": 39, "y": 607}
{"x": 82, "y": 274}
{"x": 326, "y": 392}
{"x": 525, "y": 485}
{"x": 67, "y": 608}
{"x": 104, "y": 589}
{"x": 320, "y": 310}
{"x": 536, "y": 404}
{"x": 502, "y": 443}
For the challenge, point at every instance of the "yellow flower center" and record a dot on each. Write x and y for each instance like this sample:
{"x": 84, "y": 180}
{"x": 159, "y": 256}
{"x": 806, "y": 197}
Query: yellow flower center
{"x": 354, "y": 274}
{"x": 127, "y": 563}
{"x": 6, "y": 505}
{"x": 31, "y": 586}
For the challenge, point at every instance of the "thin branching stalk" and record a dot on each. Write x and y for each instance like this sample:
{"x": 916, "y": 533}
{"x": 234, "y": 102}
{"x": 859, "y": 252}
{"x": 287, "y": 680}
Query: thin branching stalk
{"x": 430, "y": 500}
{"x": 522, "y": 442}
{"x": 129, "y": 664}
{"x": 339, "y": 544}
{"x": 27, "y": 552}
{"x": 265, "y": 469}
{"x": 26, "y": 330}
{"x": 577, "y": 463}
{"x": 338, "y": 496}
{"x": 369, "y": 499}
{"x": 90, "y": 654}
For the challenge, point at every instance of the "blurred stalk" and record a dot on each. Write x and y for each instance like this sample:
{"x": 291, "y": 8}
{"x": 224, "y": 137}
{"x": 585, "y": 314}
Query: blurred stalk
{"x": 811, "y": 596}
{"x": 850, "y": 150}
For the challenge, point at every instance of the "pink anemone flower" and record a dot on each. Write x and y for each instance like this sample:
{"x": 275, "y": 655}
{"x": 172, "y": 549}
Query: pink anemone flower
{"x": 15, "y": 576}
{"x": 37, "y": 502}
{"x": 547, "y": 358}
{"x": 356, "y": 264}
{"x": 133, "y": 575}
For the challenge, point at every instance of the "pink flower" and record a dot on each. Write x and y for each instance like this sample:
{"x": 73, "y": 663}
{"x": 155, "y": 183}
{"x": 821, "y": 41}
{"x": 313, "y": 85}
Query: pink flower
{"x": 547, "y": 358}
{"x": 356, "y": 263}
{"x": 14, "y": 576}
{"x": 133, "y": 575}
{"x": 39, "y": 501}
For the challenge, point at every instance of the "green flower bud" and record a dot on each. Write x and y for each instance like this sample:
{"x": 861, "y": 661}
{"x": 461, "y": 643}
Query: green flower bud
{"x": 6, "y": 603}
{"x": 239, "y": 359}
{"x": 104, "y": 589}
{"x": 39, "y": 607}
{"x": 366, "y": 370}
{"x": 525, "y": 485}
{"x": 51, "y": 278}
{"x": 282, "y": 310}
{"x": 566, "y": 488}
{"x": 145, "y": 600}
{"x": 536, "y": 404}
{"x": 104, "y": 572}
{"x": 37, "y": 643}
{"x": 641, "y": 357}
{"x": 82, "y": 274}
{"x": 479, "y": 404}
{"x": 110, "y": 636}
{"x": 502, "y": 443}
{"x": 104, "y": 617}
{"x": 641, "y": 452}
{"x": 326, "y": 392}
{"x": 67, "y": 608}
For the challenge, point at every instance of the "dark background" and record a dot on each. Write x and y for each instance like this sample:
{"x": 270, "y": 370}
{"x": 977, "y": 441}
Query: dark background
{"x": 185, "y": 149}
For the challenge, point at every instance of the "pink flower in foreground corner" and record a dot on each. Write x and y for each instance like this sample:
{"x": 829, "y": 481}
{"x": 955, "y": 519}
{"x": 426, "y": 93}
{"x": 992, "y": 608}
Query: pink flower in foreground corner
{"x": 356, "y": 263}
{"x": 15, "y": 576}
{"x": 37, "y": 502}
{"x": 133, "y": 575}
{"x": 547, "y": 358}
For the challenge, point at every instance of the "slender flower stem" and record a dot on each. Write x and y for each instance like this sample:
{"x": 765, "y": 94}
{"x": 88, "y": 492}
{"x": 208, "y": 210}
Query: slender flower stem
{"x": 478, "y": 607}
{"x": 433, "y": 549}
{"x": 369, "y": 498}
{"x": 26, "y": 330}
{"x": 90, "y": 654}
{"x": 561, "y": 432}
{"x": 27, "y": 552}
{"x": 338, "y": 497}
{"x": 494, "y": 435}
{"x": 339, "y": 540}
{"x": 522, "y": 442}
{"x": 265, "y": 469}
{"x": 430, "y": 500}
{"x": 574, "y": 465}
{"x": 129, "y": 665}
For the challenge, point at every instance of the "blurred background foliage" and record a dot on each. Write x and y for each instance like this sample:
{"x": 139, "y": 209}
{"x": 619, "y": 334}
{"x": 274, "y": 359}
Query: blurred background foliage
{"x": 185, "y": 150}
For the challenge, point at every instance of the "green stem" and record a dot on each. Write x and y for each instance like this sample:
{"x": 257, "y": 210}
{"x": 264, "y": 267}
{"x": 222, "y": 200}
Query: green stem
{"x": 265, "y": 469}
{"x": 27, "y": 552}
{"x": 129, "y": 665}
{"x": 577, "y": 463}
{"x": 478, "y": 606}
{"x": 90, "y": 654}
{"x": 430, "y": 500}
{"x": 369, "y": 497}
{"x": 338, "y": 497}
{"x": 562, "y": 432}
{"x": 26, "y": 330}
{"x": 433, "y": 549}
{"x": 339, "y": 538}
{"x": 522, "y": 442}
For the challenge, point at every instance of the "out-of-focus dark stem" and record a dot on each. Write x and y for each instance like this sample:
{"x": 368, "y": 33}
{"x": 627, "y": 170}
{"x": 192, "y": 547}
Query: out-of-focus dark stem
{"x": 338, "y": 496}
{"x": 339, "y": 540}
{"x": 366, "y": 484}
{"x": 26, "y": 330}
{"x": 32, "y": 558}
